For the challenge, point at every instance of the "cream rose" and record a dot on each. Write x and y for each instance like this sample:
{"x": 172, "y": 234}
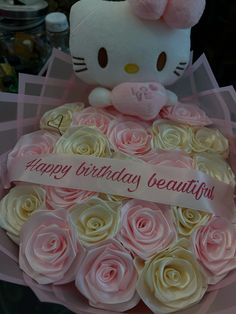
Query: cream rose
{"x": 83, "y": 141}
{"x": 170, "y": 136}
{"x": 187, "y": 220}
{"x": 107, "y": 277}
{"x": 129, "y": 137}
{"x": 59, "y": 119}
{"x": 146, "y": 228}
{"x": 96, "y": 220}
{"x": 215, "y": 248}
{"x": 93, "y": 117}
{"x": 171, "y": 281}
{"x": 49, "y": 249}
{"x": 113, "y": 198}
{"x": 65, "y": 198}
{"x": 18, "y": 205}
{"x": 215, "y": 167}
{"x": 209, "y": 140}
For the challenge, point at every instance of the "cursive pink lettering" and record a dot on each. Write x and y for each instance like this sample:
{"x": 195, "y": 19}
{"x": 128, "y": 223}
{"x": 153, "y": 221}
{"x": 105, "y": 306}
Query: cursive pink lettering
{"x": 57, "y": 171}
{"x": 106, "y": 172}
{"x": 194, "y": 187}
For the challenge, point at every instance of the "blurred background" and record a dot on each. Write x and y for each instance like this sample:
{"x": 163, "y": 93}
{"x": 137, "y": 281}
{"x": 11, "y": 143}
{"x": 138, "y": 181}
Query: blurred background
{"x": 214, "y": 36}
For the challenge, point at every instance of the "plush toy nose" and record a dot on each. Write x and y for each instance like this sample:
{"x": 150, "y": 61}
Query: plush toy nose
{"x": 131, "y": 68}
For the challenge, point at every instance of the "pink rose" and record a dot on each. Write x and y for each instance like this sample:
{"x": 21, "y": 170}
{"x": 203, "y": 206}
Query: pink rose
{"x": 64, "y": 198}
{"x": 93, "y": 117}
{"x": 36, "y": 143}
{"x": 215, "y": 248}
{"x": 122, "y": 117}
{"x": 49, "y": 249}
{"x": 145, "y": 228}
{"x": 129, "y": 137}
{"x": 111, "y": 110}
{"x": 107, "y": 277}
{"x": 185, "y": 113}
{"x": 168, "y": 159}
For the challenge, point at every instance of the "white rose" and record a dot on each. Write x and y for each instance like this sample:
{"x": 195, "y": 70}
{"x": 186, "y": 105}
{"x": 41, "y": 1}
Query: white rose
{"x": 17, "y": 206}
{"x": 209, "y": 140}
{"x": 96, "y": 220}
{"x": 171, "y": 280}
{"x": 187, "y": 219}
{"x": 215, "y": 167}
{"x": 170, "y": 136}
{"x": 83, "y": 140}
{"x": 59, "y": 118}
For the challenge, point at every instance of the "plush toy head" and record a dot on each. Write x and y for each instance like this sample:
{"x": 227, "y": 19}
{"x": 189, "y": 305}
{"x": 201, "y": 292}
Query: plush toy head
{"x": 110, "y": 43}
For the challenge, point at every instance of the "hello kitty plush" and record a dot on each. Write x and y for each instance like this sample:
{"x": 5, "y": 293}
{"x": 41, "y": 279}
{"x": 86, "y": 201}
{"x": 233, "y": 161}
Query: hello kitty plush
{"x": 131, "y": 49}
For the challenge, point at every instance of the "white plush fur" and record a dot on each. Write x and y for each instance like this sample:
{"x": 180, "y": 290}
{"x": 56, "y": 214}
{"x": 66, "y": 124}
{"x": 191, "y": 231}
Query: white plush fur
{"x": 128, "y": 40}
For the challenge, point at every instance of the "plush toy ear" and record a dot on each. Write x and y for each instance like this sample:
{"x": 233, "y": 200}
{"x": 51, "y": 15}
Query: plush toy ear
{"x": 176, "y": 13}
{"x": 148, "y": 9}
{"x": 183, "y": 13}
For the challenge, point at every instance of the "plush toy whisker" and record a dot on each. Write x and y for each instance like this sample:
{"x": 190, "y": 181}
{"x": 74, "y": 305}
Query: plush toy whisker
{"x": 177, "y": 73}
{"x": 179, "y": 68}
{"x": 82, "y": 63}
{"x": 79, "y": 58}
{"x": 81, "y": 70}
{"x": 79, "y": 63}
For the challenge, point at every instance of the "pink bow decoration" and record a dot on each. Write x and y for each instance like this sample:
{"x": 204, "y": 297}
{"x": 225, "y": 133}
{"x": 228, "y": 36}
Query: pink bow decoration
{"x": 175, "y": 13}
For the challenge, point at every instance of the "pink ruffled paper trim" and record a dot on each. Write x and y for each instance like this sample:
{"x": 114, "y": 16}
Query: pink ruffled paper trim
{"x": 38, "y": 94}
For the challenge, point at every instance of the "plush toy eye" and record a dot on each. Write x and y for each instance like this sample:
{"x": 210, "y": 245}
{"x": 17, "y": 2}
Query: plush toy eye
{"x": 161, "y": 61}
{"x": 102, "y": 57}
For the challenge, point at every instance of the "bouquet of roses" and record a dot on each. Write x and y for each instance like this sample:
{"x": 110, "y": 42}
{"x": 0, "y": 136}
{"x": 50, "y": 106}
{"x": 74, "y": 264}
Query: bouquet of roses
{"x": 118, "y": 210}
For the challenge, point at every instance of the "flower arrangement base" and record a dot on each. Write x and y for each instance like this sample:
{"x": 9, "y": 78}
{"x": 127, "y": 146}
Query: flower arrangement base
{"x": 33, "y": 107}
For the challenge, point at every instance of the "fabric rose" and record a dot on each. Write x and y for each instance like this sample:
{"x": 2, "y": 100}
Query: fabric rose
{"x": 107, "y": 277}
{"x": 210, "y": 141}
{"x": 186, "y": 114}
{"x": 49, "y": 249}
{"x": 171, "y": 280}
{"x": 168, "y": 159}
{"x": 129, "y": 137}
{"x": 36, "y": 143}
{"x": 93, "y": 117}
{"x": 146, "y": 228}
{"x": 83, "y": 140}
{"x": 59, "y": 118}
{"x": 215, "y": 248}
{"x": 170, "y": 136}
{"x": 65, "y": 198}
{"x": 215, "y": 167}
{"x": 96, "y": 220}
{"x": 18, "y": 205}
{"x": 123, "y": 117}
{"x": 187, "y": 220}
{"x": 113, "y": 198}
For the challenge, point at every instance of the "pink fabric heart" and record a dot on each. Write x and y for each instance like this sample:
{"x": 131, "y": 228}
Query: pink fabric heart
{"x": 143, "y": 100}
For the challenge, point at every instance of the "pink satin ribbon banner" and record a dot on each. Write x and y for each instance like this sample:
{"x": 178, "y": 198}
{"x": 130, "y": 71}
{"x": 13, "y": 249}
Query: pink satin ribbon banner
{"x": 167, "y": 185}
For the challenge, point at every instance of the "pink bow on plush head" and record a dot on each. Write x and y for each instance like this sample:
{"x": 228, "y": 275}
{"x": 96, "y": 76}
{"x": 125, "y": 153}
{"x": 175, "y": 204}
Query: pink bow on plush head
{"x": 176, "y": 13}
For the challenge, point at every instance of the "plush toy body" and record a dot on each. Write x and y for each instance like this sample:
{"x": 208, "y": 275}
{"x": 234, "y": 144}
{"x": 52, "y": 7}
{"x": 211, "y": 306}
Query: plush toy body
{"x": 127, "y": 57}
